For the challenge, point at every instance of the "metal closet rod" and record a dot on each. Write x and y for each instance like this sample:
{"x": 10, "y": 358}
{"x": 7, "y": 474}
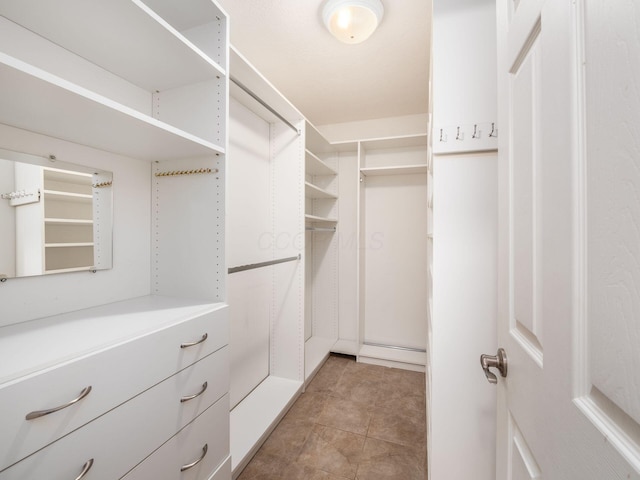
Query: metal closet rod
{"x": 320, "y": 229}
{"x": 264, "y": 104}
{"x": 252, "y": 266}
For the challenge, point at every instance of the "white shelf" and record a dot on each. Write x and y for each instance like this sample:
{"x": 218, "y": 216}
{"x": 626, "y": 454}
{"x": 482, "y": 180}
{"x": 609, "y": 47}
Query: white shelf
{"x": 311, "y": 191}
{"x": 68, "y": 245}
{"x": 320, "y": 220}
{"x": 316, "y": 351}
{"x": 253, "y": 419}
{"x": 68, "y": 176}
{"x": 417, "y": 140}
{"x": 35, "y": 100}
{"x": 242, "y": 70}
{"x": 349, "y": 146}
{"x": 316, "y": 166}
{"x": 395, "y": 170}
{"x": 315, "y": 141}
{"x": 68, "y": 270}
{"x": 68, "y": 196}
{"x": 67, "y": 221}
{"x": 131, "y": 30}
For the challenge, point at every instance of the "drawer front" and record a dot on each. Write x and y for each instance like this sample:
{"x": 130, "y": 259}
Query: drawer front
{"x": 223, "y": 472}
{"x": 210, "y": 429}
{"x": 115, "y": 375}
{"x": 119, "y": 440}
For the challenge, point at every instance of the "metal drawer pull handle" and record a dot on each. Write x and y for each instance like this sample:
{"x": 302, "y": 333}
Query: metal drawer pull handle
{"x": 42, "y": 413}
{"x": 85, "y": 468}
{"x": 191, "y": 344}
{"x": 191, "y": 397}
{"x": 193, "y": 464}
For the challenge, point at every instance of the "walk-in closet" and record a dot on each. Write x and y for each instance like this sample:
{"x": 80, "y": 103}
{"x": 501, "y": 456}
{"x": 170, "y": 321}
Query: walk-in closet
{"x": 187, "y": 246}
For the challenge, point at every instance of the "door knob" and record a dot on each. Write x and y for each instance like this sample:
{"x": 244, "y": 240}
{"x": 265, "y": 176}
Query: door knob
{"x": 498, "y": 361}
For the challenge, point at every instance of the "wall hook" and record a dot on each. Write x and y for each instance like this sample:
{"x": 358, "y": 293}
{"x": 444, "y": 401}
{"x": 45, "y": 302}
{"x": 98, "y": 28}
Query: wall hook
{"x": 443, "y": 137}
{"x": 459, "y": 136}
{"x": 494, "y": 130}
{"x": 476, "y": 133}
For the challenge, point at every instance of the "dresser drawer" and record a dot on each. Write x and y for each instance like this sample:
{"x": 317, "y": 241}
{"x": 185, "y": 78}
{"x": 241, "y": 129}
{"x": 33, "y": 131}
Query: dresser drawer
{"x": 118, "y": 440}
{"x": 114, "y": 374}
{"x": 223, "y": 472}
{"x": 187, "y": 447}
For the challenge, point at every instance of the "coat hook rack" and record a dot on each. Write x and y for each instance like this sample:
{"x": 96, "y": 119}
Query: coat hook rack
{"x": 102, "y": 184}
{"x": 459, "y": 136}
{"x": 176, "y": 173}
{"x": 22, "y": 197}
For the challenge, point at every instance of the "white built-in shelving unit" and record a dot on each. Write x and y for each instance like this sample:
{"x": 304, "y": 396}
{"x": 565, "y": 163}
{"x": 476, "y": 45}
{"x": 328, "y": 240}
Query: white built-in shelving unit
{"x": 266, "y": 301}
{"x": 321, "y": 246}
{"x": 68, "y": 220}
{"x": 137, "y": 88}
{"x": 390, "y": 196}
{"x": 284, "y": 316}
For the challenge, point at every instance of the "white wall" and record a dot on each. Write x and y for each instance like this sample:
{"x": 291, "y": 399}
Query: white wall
{"x": 395, "y": 260}
{"x": 464, "y": 62}
{"x": 462, "y": 442}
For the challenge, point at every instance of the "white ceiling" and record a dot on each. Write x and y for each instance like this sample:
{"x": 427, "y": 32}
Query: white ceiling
{"x": 332, "y": 82}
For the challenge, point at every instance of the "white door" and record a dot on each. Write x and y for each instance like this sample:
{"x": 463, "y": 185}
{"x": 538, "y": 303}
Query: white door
{"x": 569, "y": 284}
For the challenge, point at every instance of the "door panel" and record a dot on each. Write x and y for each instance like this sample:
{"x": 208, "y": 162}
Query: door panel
{"x": 523, "y": 463}
{"x": 610, "y": 364}
{"x": 569, "y": 175}
{"x": 525, "y": 146}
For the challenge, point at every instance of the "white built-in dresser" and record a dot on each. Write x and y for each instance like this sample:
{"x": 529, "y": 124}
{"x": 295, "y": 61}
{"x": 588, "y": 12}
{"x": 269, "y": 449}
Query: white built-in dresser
{"x": 121, "y": 373}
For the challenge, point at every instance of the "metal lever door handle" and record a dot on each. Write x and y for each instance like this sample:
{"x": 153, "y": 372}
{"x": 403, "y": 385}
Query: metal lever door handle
{"x": 498, "y": 361}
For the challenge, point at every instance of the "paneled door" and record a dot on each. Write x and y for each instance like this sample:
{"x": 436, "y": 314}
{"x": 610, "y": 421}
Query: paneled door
{"x": 569, "y": 240}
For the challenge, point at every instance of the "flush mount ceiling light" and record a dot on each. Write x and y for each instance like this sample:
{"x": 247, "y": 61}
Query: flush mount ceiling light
{"x": 352, "y": 21}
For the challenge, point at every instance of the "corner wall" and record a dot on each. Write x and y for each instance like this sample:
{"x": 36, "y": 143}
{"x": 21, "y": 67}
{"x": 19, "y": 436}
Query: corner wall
{"x": 463, "y": 403}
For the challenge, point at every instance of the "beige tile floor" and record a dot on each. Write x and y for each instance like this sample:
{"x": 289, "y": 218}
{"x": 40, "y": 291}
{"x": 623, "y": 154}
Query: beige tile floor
{"x": 355, "y": 421}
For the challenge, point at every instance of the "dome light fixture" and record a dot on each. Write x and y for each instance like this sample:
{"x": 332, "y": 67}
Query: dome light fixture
{"x": 352, "y": 21}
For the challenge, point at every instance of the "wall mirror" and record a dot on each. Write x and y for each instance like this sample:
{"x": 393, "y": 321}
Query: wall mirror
{"x": 55, "y": 217}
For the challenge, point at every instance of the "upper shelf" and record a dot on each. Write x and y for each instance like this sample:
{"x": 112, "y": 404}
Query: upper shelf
{"x": 128, "y": 38}
{"x": 316, "y": 166}
{"x": 242, "y": 71}
{"x": 35, "y": 100}
{"x": 311, "y": 191}
{"x": 315, "y": 141}
{"x": 417, "y": 140}
{"x": 395, "y": 170}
